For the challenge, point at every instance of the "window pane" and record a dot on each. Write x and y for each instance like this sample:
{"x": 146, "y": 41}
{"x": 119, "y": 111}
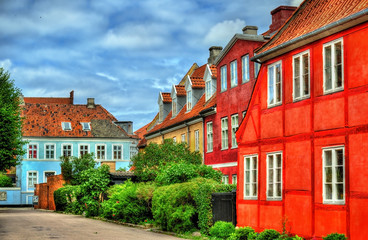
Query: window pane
{"x": 328, "y": 158}
{"x": 254, "y": 190}
{"x": 278, "y": 175}
{"x": 278, "y": 156}
{"x": 305, "y": 74}
{"x": 339, "y": 174}
{"x": 270, "y": 176}
{"x": 278, "y": 189}
{"x": 271, "y": 85}
{"x": 297, "y": 77}
{"x": 247, "y": 188}
{"x": 328, "y": 171}
{"x": 254, "y": 163}
{"x": 339, "y": 157}
{"x": 270, "y": 190}
{"x": 338, "y": 62}
{"x": 247, "y": 163}
{"x": 340, "y": 191}
{"x": 328, "y": 65}
{"x": 278, "y": 83}
{"x": 270, "y": 161}
{"x": 254, "y": 176}
{"x": 247, "y": 176}
{"x": 328, "y": 189}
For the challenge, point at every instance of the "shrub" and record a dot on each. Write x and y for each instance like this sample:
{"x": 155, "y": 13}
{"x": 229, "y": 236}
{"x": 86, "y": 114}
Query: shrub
{"x": 268, "y": 234}
{"x": 72, "y": 167}
{"x": 68, "y": 198}
{"x": 335, "y": 236}
{"x": 242, "y": 233}
{"x": 5, "y": 181}
{"x": 222, "y": 230}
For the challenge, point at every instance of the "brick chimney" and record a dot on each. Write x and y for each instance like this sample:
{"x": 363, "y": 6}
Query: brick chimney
{"x": 214, "y": 52}
{"x": 71, "y": 97}
{"x": 91, "y": 103}
{"x": 251, "y": 30}
{"x": 279, "y": 17}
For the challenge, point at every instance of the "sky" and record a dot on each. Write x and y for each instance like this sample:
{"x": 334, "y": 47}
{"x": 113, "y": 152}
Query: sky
{"x": 120, "y": 52}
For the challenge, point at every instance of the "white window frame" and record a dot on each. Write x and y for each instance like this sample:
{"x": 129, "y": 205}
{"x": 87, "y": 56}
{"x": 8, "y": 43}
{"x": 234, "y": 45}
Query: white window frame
{"x": 225, "y": 179}
{"x": 334, "y": 87}
{"x": 208, "y": 88}
{"x": 300, "y": 78}
{"x": 234, "y": 179}
{"x": 253, "y": 174}
{"x": 79, "y": 149}
{"x": 224, "y": 133}
{"x": 234, "y": 73}
{"x": 113, "y": 151}
{"x": 66, "y": 126}
{"x": 37, "y": 150}
{"x": 209, "y": 136}
{"x": 245, "y": 68}
{"x": 196, "y": 140}
{"x": 274, "y": 182}
{"x": 65, "y": 145}
{"x": 53, "y": 151}
{"x": 272, "y": 81}
{"x": 86, "y": 126}
{"x": 28, "y": 172}
{"x": 97, "y": 151}
{"x": 183, "y": 138}
{"x": 189, "y": 99}
{"x": 334, "y": 199}
{"x": 234, "y": 128}
{"x": 44, "y": 174}
{"x": 223, "y": 70}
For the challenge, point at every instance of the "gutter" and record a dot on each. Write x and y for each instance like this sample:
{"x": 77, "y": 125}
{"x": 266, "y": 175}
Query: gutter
{"x": 311, "y": 34}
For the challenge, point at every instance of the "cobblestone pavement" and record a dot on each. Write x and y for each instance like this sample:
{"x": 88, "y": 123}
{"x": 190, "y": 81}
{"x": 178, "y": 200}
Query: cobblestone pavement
{"x": 27, "y": 223}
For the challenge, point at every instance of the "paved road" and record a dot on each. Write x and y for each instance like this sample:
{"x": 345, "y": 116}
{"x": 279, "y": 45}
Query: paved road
{"x": 26, "y": 223}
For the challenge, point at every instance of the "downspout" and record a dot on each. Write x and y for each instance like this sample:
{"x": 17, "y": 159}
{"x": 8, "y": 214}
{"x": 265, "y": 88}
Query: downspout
{"x": 188, "y": 136}
{"x": 203, "y": 138}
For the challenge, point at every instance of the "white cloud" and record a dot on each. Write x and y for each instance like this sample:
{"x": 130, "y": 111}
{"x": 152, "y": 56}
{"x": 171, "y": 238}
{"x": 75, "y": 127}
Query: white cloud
{"x": 222, "y": 32}
{"x": 6, "y": 64}
{"x": 104, "y": 75}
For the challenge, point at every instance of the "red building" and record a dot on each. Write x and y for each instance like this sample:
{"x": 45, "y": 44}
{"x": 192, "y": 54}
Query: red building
{"x": 236, "y": 76}
{"x": 303, "y": 142}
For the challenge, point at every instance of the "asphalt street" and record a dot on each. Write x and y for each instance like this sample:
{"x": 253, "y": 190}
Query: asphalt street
{"x": 27, "y": 223}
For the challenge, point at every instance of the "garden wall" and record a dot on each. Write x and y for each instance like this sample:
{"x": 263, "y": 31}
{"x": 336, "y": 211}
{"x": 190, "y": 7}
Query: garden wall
{"x": 45, "y": 192}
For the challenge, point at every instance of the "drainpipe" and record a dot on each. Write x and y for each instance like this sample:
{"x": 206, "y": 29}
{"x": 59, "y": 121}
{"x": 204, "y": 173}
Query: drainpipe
{"x": 188, "y": 136}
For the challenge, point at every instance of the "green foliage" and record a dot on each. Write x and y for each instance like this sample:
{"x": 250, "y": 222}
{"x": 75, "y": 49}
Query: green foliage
{"x": 183, "y": 172}
{"x": 129, "y": 202}
{"x": 222, "y": 230}
{"x": 72, "y": 167}
{"x": 155, "y": 157}
{"x": 242, "y": 233}
{"x": 11, "y": 144}
{"x": 5, "y": 181}
{"x": 335, "y": 236}
{"x": 68, "y": 199}
{"x": 268, "y": 234}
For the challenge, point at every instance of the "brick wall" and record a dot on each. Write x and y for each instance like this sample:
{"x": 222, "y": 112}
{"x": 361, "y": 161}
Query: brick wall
{"x": 45, "y": 192}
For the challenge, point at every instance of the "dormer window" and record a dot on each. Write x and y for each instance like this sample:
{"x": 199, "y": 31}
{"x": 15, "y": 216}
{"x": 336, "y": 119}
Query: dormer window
{"x": 189, "y": 100}
{"x": 161, "y": 112}
{"x": 67, "y": 126}
{"x": 86, "y": 126}
{"x": 174, "y": 106}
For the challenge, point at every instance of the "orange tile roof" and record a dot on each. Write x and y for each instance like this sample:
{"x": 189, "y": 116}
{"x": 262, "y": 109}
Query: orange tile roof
{"x": 213, "y": 69}
{"x": 180, "y": 90}
{"x": 311, "y": 16}
{"x": 197, "y": 77}
{"x": 44, "y": 119}
{"x": 166, "y": 97}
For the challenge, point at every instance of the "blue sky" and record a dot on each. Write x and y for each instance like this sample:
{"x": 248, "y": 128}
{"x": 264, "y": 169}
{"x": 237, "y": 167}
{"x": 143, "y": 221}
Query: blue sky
{"x": 120, "y": 52}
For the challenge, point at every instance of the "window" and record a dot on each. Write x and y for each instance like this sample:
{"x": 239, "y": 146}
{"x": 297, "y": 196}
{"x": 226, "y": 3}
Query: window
{"x": 333, "y": 76}
{"x": 47, "y": 174}
{"x": 100, "y": 152}
{"x": 67, "y": 150}
{"x": 274, "y": 176}
{"x": 83, "y": 149}
{"x": 274, "y": 84}
{"x": 133, "y": 151}
{"x": 257, "y": 66}
{"x": 174, "y": 139}
{"x": 32, "y": 178}
{"x": 234, "y": 128}
{"x": 49, "y": 151}
{"x": 189, "y": 99}
{"x": 196, "y": 140}
{"x": 224, "y": 133}
{"x": 223, "y": 78}
{"x": 245, "y": 68}
{"x": 183, "y": 137}
{"x": 161, "y": 112}
{"x": 301, "y": 75}
{"x": 117, "y": 152}
{"x": 208, "y": 88}
{"x": 209, "y": 137}
{"x": 174, "y": 106}
{"x": 234, "y": 179}
{"x": 67, "y": 126}
{"x": 225, "y": 179}
{"x": 233, "y": 73}
{"x": 86, "y": 126}
{"x": 32, "y": 151}
{"x": 250, "y": 177}
{"x": 333, "y": 175}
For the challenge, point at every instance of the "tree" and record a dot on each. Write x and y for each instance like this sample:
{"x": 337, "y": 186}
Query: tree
{"x": 72, "y": 167}
{"x": 156, "y": 157}
{"x": 11, "y": 143}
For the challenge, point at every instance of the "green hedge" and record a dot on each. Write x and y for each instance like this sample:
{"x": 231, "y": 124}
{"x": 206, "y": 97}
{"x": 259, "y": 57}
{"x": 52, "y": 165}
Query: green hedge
{"x": 5, "y": 181}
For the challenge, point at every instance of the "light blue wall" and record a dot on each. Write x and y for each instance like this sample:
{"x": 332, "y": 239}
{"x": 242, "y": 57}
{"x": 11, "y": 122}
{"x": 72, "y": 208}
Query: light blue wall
{"x": 13, "y": 196}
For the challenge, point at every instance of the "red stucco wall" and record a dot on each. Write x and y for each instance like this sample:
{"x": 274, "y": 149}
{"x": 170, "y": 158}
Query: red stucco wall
{"x": 45, "y": 192}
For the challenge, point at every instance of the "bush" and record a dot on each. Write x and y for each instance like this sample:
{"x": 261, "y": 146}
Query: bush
{"x": 72, "y": 167}
{"x": 222, "y": 230}
{"x": 242, "y": 233}
{"x": 335, "y": 236}
{"x": 268, "y": 234}
{"x": 5, "y": 181}
{"x": 68, "y": 198}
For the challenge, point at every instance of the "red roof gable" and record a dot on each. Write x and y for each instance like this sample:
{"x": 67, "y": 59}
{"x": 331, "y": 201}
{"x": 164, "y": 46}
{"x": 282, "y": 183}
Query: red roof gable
{"x": 213, "y": 69}
{"x": 197, "y": 77}
{"x": 166, "y": 97}
{"x": 180, "y": 90}
{"x": 311, "y": 16}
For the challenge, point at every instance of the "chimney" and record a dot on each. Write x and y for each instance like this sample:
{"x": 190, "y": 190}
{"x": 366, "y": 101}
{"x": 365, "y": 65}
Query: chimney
{"x": 71, "y": 97}
{"x": 251, "y": 30}
{"x": 214, "y": 52}
{"x": 279, "y": 17}
{"x": 91, "y": 103}
{"x": 126, "y": 125}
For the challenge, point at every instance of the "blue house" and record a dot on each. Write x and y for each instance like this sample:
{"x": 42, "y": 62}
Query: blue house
{"x": 56, "y": 127}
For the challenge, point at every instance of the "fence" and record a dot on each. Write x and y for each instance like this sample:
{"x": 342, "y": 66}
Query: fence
{"x": 224, "y": 207}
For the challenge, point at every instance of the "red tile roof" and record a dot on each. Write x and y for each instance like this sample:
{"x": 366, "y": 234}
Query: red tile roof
{"x": 213, "y": 69}
{"x": 166, "y": 97}
{"x": 43, "y": 117}
{"x": 311, "y": 16}
{"x": 180, "y": 90}
{"x": 197, "y": 77}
